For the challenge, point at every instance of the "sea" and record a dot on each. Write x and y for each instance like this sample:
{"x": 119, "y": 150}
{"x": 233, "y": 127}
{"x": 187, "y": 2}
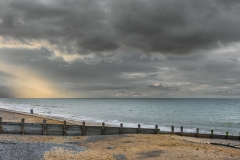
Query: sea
{"x": 220, "y": 115}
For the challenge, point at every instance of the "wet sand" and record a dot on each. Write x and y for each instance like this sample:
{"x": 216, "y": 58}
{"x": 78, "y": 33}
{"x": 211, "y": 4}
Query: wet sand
{"x": 15, "y": 116}
{"x": 121, "y": 147}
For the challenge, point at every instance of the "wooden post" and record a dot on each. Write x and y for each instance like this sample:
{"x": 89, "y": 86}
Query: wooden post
{"x": 172, "y": 129}
{"x": 44, "y": 127}
{"x": 181, "y": 130}
{"x": 83, "y": 129}
{"x": 226, "y": 135}
{"x": 1, "y": 128}
{"x": 139, "y": 128}
{"x": 64, "y": 128}
{"x": 197, "y": 131}
{"x": 121, "y": 129}
{"x": 156, "y": 129}
{"x": 103, "y": 126}
{"x": 211, "y": 134}
{"x": 22, "y": 126}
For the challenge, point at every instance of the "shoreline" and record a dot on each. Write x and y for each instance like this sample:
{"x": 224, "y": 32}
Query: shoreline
{"x": 59, "y": 120}
{"x": 133, "y": 113}
{"x": 130, "y": 146}
{"x": 16, "y": 116}
{"x": 35, "y": 118}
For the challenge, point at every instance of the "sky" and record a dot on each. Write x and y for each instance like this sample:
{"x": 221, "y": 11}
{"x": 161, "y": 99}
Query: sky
{"x": 120, "y": 49}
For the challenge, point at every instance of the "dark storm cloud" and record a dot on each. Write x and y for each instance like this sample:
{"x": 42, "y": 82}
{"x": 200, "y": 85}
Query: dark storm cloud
{"x": 60, "y": 22}
{"x": 131, "y": 45}
{"x": 167, "y": 26}
{"x": 177, "y": 26}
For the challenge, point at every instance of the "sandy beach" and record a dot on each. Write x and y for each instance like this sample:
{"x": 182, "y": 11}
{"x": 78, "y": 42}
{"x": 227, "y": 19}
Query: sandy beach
{"x": 119, "y": 147}
{"x": 15, "y": 116}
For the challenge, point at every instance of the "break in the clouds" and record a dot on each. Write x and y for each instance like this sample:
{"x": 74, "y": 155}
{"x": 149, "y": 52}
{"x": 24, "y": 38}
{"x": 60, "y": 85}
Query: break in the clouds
{"x": 112, "y": 48}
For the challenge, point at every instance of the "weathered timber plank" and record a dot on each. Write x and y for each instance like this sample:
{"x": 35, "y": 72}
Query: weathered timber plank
{"x": 12, "y": 130}
{"x": 37, "y": 125}
{"x": 177, "y": 133}
{"x": 165, "y": 132}
{"x": 147, "y": 131}
{"x": 204, "y": 135}
{"x": 74, "y": 130}
{"x": 130, "y": 131}
{"x": 56, "y": 130}
{"x": 93, "y": 130}
{"x": 77, "y": 131}
{"x": 11, "y": 127}
{"x": 31, "y": 129}
{"x": 189, "y": 134}
{"x": 74, "y": 127}
{"x": 11, "y": 124}
{"x": 111, "y": 130}
{"x": 233, "y": 137}
{"x": 54, "y": 126}
{"x": 54, "y": 133}
{"x": 73, "y": 133}
{"x": 218, "y": 136}
{"x": 34, "y": 133}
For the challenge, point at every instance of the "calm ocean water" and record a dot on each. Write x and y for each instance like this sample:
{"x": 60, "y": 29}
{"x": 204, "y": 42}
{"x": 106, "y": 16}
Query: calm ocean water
{"x": 221, "y": 115}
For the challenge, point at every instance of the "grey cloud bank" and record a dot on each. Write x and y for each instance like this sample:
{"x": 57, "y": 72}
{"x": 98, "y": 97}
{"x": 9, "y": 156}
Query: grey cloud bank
{"x": 167, "y": 26}
{"x": 124, "y": 48}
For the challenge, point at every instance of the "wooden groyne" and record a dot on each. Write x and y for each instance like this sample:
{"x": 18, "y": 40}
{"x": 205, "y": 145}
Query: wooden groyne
{"x": 68, "y": 130}
{"x": 82, "y": 130}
